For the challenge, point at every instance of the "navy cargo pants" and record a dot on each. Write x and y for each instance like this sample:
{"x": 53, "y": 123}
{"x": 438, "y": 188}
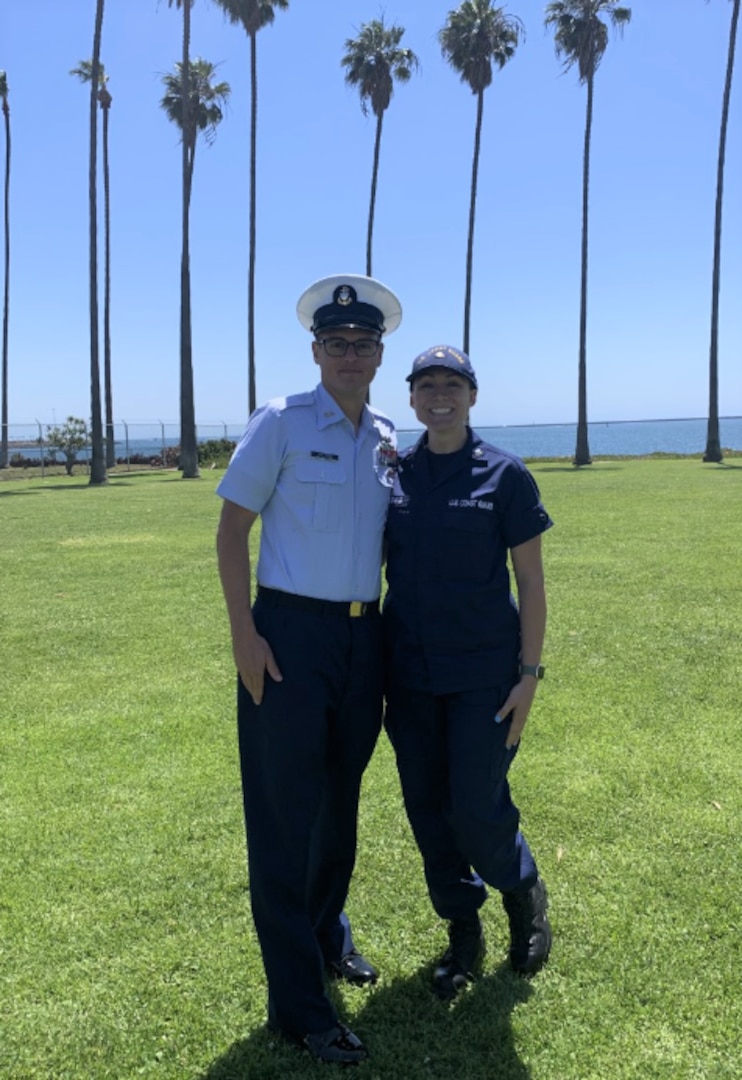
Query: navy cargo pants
{"x": 453, "y": 767}
{"x": 303, "y": 752}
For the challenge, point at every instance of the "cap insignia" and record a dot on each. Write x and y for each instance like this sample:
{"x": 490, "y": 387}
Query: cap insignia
{"x": 344, "y": 295}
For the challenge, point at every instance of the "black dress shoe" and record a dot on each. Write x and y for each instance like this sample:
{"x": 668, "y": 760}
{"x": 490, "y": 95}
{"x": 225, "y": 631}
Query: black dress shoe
{"x": 338, "y": 1046}
{"x": 462, "y": 959}
{"x": 353, "y": 968}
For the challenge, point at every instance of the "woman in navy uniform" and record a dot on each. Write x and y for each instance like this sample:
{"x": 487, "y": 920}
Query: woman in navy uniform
{"x": 316, "y": 468}
{"x": 464, "y": 663}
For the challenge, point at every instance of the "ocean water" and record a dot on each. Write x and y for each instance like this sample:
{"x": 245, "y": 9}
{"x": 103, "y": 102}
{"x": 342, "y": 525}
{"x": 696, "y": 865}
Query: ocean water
{"x": 624, "y": 438}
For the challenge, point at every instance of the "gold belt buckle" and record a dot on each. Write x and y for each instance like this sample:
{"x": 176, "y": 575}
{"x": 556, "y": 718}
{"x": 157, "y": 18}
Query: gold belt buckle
{"x": 357, "y": 608}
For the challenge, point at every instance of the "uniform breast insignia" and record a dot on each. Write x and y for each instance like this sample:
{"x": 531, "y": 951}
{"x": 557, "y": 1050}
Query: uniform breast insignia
{"x": 472, "y": 504}
{"x": 386, "y": 461}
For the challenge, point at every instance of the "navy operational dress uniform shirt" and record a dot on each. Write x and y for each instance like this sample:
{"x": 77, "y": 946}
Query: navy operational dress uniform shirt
{"x": 452, "y": 622}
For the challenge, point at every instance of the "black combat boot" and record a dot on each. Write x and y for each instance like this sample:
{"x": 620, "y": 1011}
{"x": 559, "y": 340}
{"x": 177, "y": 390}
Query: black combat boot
{"x": 530, "y": 932}
{"x": 462, "y": 959}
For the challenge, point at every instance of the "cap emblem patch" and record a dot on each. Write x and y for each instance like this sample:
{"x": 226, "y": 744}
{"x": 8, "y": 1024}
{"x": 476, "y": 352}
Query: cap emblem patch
{"x": 344, "y": 295}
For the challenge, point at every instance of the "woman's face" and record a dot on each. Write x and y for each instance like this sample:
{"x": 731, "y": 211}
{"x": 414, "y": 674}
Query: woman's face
{"x": 442, "y": 399}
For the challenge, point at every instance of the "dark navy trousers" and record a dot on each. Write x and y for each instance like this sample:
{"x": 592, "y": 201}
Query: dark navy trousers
{"x": 453, "y": 767}
{"x": 303, "y": 752}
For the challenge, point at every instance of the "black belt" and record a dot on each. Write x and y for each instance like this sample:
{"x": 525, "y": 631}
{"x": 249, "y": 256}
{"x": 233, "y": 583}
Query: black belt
{"x": 352, "y": 609}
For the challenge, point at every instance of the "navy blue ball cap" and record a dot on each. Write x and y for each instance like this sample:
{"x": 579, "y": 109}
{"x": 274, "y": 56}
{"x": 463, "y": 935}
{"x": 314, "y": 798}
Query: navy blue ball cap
{"x": 349, "y": 300}
{"x": 443, "y": 356}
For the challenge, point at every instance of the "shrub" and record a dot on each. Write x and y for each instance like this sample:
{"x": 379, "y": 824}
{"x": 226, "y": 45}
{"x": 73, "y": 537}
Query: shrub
{"x": 216, "y": 452}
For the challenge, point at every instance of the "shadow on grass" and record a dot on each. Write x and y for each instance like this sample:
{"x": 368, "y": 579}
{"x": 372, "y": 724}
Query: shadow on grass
{"x": 603, "y": 467}
{"x": 410, "y": 1035}
{"x": 613, "y": 464}
{"x": 45, "y": 487}
{"x": 83, "y": 486}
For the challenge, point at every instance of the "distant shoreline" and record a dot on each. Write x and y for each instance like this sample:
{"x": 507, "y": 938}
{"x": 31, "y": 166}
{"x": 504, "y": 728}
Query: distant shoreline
{"x": 608, "y": 438}
{"x": 24, "y": 444}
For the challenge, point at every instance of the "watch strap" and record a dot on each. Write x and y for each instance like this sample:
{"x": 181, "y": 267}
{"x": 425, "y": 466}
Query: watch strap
{"x": 536, "y": 670}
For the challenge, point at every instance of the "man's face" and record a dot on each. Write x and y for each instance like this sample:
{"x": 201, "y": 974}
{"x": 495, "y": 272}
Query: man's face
{"x": 348, "y": 374}
{"x": 442, "y": 399}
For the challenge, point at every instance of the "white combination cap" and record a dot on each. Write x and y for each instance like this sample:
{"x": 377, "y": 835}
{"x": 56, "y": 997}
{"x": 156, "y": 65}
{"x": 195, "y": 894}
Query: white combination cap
{"x": 349, "y": 300}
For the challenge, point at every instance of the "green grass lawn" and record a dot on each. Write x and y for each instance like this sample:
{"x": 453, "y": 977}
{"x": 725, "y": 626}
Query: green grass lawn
{"x": 126, "y": 945}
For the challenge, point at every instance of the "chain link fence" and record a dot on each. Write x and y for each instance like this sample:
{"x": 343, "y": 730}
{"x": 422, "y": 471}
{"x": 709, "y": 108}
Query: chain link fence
{"x": 136, "y": 442}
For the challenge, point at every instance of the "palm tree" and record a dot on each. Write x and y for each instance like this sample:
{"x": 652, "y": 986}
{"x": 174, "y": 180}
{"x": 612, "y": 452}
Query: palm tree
{"x": 84, "y": 73}
{"x": 203, "y": 114}
{"x": 252, "y": 15}
{"x": 581, "y": 38}
{"x": 97, "y": 461}
{"x": 713, "y": 445}
{"x": 206, "y": 112}
{"x": 373, "y": 61}
{"x": 6, "y": 276}
{"x": 474, "y": 36}
{"x": 188, "y": 442}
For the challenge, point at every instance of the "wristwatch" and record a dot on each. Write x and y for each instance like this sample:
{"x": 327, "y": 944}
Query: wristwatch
{"x": 537, "y": 670}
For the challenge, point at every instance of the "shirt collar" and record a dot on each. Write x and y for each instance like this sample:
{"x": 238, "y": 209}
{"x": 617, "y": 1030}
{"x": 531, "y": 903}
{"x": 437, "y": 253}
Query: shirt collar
{"x": 469, "y": 449}
{"x": 329, "y": 412}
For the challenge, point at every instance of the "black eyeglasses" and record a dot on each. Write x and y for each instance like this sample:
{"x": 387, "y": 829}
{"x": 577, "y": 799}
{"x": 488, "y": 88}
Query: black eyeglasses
{"x": 337, "y": 346}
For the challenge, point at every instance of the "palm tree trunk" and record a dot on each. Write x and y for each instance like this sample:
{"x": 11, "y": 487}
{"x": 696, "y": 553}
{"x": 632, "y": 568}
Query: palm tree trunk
{"x": 98, "y": 462}
{"x": 110, "y": 441}
{"x": 472, "y": 216}
{"x": 582, "y": 450}
{"x": 372, "y": 203}
{"x": 251, "y": 391}
{"x": 6, "y": 292}
{"x": 713, "y": 442}
{"x": 188, "y": 445}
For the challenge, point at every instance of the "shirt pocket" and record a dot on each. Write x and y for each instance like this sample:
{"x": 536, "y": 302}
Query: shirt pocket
{"x": 325, "y": 480}
{"x": 466, "y": 545}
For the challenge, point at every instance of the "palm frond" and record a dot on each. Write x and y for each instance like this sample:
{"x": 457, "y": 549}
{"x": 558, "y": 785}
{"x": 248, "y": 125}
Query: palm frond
{"x": 477, "y": 35}
{"x": 253, "y": 15}
{"x": 207, "y": 99}
{"x": 580, "y": 34}
{"x": 374, "y": 60}
{"x": 84, "y": 72}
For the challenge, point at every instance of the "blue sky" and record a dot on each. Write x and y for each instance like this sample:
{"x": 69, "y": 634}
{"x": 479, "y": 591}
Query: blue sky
{"x": 656, "y": 126}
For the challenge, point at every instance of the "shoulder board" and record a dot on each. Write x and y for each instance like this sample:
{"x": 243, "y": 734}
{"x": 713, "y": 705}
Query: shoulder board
{"x": 293, "y": 401}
